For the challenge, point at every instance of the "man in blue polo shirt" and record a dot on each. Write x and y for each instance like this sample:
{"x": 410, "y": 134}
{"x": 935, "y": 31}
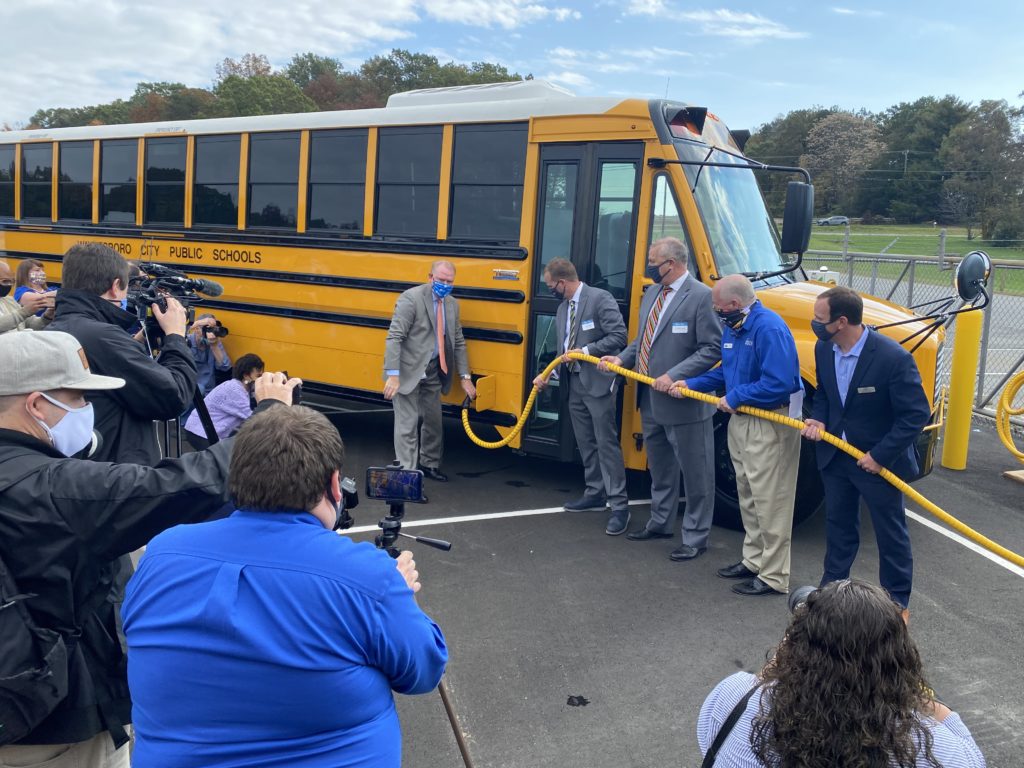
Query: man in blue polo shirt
{"x": 759, "y": 368}
{"x": 267, "y": 639}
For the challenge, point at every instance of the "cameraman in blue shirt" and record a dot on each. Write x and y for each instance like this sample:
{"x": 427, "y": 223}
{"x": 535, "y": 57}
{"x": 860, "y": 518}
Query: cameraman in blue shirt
{"x": 760, "y": 368}
{"x": 265, "y": 638}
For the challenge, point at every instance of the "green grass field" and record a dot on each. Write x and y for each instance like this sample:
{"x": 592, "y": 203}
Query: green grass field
{"x": 915, "y": 240}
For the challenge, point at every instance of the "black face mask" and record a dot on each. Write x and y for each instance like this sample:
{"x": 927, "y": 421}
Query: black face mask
{"x": 4, "y": 290}
{"x": 557, "y": 293}
{"x": 733, "y": 319}
{"x": 654, "y": 272}
{"x": 821, "y": 330}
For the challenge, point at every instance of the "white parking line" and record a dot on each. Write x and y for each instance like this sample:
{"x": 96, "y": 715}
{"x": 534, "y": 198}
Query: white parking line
{"x": 953, "y": 535}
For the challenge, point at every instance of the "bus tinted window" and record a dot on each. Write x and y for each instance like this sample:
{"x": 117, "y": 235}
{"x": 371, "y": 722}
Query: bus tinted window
{"x": 165, "y": 180}
{"x": 75, "y": 179}
{"x": 118, "y": 169}
{"x": 273, "y": 179}
{"x": 36, "y": 172}
{"x": 489, "y": 163}
{"x": 408, "y": 175}
{"x": 337, "y": 179}
{"x": 7, "y": 181}
{"x": 613, "y": 241}
{"x": 215, "y": 198}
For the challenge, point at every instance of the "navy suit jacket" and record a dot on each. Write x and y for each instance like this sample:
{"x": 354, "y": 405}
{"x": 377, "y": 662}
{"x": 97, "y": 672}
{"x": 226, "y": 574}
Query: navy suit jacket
{"x": 886, "y": 406}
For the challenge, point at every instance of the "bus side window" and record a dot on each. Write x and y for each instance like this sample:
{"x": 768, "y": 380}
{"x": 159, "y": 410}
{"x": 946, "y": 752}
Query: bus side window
{"x": 164, "y": 200}
{"x": 273, "y": 180}
{"x": 337, "y": 179}
{"x": 666, "y": 221}
{"x": 489, "y": 163}
{"x": 36, "y": 173}
{"x": 215, "y": 192}
{"x": 118, "y": 171}
{"x": 613, "y": 248}
{"x": 7, "y": 181}
{"x": 408, "y": 178}
{"x": 74, "y": 197}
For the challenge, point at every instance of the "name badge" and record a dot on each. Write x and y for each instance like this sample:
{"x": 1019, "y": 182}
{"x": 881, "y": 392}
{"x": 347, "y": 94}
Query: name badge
{"x": 587, "y": 325}
{"x": 680, "y": 327}
{"x": 865, "y": 390}
{"x": 727, "y": 345}
{"x": 749, "y": 342}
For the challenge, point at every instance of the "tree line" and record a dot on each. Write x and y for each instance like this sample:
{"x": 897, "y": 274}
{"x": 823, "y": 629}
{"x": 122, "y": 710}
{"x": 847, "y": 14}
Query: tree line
{"x": 937, "y": 160}
{"x": 932, "y": 160}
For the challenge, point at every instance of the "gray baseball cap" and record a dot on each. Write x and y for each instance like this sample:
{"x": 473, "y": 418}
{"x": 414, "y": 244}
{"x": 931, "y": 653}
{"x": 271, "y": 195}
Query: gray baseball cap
{"x": 41, "y": 361}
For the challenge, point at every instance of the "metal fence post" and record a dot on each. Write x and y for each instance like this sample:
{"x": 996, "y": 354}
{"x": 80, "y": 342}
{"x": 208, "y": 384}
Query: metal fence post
{"x": 942, "y": 249}
{"x": 874, "y": 276}
{"x": 846, "y": 242}
{"x": 979, "y": 397}
{"x": 910, "y": 283}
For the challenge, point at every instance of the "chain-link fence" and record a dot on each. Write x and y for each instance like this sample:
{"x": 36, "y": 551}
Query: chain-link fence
{"x": 926, "y": 283}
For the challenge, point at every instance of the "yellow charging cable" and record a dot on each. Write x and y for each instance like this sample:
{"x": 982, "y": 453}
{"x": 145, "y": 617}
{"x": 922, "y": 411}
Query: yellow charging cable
{"x": 842, "y": 445}
{"x": 1004, "y": 410}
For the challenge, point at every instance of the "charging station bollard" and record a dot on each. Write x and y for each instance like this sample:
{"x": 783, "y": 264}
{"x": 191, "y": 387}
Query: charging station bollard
{"x": 962, "y": 376}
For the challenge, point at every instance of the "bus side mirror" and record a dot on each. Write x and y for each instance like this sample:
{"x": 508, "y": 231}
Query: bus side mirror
{"x": 796, "y": 219}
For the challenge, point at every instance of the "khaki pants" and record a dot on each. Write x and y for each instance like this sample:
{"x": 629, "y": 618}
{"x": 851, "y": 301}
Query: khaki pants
{"x": 97, "y": 752}
{"x": 766, "y": 456}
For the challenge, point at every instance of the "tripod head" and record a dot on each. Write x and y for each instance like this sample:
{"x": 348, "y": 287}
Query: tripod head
{"x": 397, "y": 486}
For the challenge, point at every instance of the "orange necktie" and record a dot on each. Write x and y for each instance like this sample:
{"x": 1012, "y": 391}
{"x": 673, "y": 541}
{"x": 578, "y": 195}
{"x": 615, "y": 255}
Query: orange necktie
{"x": 439, "y": 323}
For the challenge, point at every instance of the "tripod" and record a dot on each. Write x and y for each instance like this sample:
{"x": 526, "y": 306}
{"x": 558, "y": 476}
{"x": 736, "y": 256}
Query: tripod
{"x": 391, "y": 529}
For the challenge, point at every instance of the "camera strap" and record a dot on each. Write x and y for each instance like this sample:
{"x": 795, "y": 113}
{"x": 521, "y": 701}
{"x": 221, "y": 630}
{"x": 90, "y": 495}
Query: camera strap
{"x": 727, "y": 726}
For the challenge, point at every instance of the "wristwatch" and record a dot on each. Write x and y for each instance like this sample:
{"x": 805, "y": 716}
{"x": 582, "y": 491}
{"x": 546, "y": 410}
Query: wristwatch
{"x": 467, "y": 377}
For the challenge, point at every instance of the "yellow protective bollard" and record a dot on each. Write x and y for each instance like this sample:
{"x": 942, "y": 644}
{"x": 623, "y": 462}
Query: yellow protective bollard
{"x": 962, "y": 376}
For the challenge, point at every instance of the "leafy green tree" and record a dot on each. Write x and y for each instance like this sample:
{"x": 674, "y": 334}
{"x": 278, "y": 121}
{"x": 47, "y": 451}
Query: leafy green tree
{"x": 259, "y": 95}
{"x": 840, "y": 147}
{"x": 250, "y": 65}
{"x": 306, "y": 68}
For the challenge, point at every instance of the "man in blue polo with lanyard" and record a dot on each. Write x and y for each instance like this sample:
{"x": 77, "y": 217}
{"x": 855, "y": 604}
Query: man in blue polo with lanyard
{"x": 759, "y": 368}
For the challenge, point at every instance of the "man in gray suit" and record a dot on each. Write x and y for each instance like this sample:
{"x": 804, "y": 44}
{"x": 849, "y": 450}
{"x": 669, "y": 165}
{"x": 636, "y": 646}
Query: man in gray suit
{"x": 679, "y": 337}
{"x": 588, "y": 320}
{"x": 424, "y": 347}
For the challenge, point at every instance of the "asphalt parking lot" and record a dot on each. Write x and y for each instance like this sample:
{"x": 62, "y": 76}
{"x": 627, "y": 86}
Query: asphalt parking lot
{"x": 573, "y": 648}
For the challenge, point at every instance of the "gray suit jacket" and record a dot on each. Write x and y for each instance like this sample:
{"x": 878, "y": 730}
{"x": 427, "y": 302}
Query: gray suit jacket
{"x": 688, "y": 342}
{"x": 410, "y": 340}
{"x": 600, "y": 330}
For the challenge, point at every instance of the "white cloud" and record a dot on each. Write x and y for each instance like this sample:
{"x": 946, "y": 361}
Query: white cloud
{"x": 858, "y": 12}
{"x": 572, "y": 79}
{"x": 646, "y": 8}
{"x": 748, "y": 26}
{"x": 508, "y": 14}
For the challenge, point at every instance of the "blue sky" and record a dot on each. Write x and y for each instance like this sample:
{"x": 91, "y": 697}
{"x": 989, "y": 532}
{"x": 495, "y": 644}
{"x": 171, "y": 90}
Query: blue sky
{"x": 746, "y": 61}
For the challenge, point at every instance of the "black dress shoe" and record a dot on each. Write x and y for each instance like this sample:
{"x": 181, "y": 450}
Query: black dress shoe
{"x": 754, "y": 587}
{"x": 433, "y": 473}
{"x": 736, "y": 571}
{"x": 686, "y": 552}
{"x": 643, "y": 535}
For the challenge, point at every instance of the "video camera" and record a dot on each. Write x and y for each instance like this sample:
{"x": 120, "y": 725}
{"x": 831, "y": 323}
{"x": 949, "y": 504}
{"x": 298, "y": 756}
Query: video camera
{"x": 155, "y": 284}
{"x": 215, "y": 331}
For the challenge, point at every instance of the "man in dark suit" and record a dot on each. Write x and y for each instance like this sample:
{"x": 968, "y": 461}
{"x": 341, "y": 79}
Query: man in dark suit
{"x": 588, "y": 320}
{"x": 870, "y": 394}
{"x": 679, "y": 338}
{"x": 424, "y": 348}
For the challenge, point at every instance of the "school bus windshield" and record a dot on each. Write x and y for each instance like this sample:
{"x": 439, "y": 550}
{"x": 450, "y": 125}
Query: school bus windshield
{"x": 741, "y": 232}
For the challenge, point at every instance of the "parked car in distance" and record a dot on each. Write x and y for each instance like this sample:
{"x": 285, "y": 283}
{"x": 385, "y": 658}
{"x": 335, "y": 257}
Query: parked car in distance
{"x": 834, "y": 221}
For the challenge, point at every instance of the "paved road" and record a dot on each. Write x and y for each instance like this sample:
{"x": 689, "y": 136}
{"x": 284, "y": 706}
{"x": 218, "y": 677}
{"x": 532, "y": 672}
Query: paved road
{"x": 542, "y": 607}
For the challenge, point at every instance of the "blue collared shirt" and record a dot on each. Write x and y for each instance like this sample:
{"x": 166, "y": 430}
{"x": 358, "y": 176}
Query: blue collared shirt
{"x": 846, "y": 364}
{"x": 759, "y": 366}
{"x": 265, "y": 638}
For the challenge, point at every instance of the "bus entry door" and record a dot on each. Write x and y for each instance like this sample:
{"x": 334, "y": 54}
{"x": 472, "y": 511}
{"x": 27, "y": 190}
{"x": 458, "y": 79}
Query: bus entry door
{"x": 587, "y": 207}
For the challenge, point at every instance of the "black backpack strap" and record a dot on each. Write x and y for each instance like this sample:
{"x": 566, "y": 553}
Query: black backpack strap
{"x": 726, "y": 729}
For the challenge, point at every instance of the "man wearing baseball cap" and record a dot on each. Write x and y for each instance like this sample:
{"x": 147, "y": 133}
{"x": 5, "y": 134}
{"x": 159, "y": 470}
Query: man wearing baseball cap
{"x": 64, "y": 524}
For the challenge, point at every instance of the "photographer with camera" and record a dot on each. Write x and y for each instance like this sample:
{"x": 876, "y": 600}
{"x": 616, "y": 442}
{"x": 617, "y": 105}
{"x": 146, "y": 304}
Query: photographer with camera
{"x": 264, "y": 638}
{"x": 18, "y": 315}
{"x": 205, "y": 340}
{"x": 844, "y": 688}
{"x": 90, "y": 306}
{"x": 66, "y": 526}
{"x": 228, "y": 403}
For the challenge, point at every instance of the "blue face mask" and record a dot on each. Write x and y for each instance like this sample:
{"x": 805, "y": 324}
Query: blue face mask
{"x": 124, "y": 303}
{"x": 441, "y": 289}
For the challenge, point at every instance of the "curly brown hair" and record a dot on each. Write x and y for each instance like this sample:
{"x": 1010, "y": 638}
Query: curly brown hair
{"x": 844, "y": 687}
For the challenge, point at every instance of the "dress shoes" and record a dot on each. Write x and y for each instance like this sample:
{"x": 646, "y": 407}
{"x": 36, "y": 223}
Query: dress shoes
{"x": 644, "y": 535}
{"x": 754, "y": 587}
{"x": 433, "y": 473}
{"x": 586, "y": 504}
{"x": 736, "y": 571}
{"x": 686, "y": 552}
{"x": 617, "y": 523}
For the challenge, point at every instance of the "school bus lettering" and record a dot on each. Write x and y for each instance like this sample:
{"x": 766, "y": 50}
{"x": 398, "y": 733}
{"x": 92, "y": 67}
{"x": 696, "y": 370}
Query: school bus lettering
{"x": 237, "y": 255}
{"x": 150, "y": 249}
{"x": 186, "y": 252}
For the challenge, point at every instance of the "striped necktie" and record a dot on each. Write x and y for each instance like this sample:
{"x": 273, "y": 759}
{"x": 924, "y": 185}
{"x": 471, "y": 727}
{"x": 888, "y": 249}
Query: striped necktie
{"x": 652, "y": 324}
{"x": 439, "y": 325}
{"x": 574, "y": 366}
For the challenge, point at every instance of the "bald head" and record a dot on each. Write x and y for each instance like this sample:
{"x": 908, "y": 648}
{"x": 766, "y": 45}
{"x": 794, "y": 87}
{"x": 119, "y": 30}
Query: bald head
{"x": 733, "y": 288}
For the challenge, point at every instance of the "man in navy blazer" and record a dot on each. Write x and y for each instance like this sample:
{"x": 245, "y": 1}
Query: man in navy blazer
{"x": 870, "y": 394}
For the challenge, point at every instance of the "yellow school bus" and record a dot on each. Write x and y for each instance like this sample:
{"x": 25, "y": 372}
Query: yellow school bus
{"x": 315, "y": 222}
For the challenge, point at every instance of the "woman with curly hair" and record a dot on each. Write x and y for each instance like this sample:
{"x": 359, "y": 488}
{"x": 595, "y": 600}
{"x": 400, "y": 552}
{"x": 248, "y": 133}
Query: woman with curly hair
{"x": 844, "y": 688}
